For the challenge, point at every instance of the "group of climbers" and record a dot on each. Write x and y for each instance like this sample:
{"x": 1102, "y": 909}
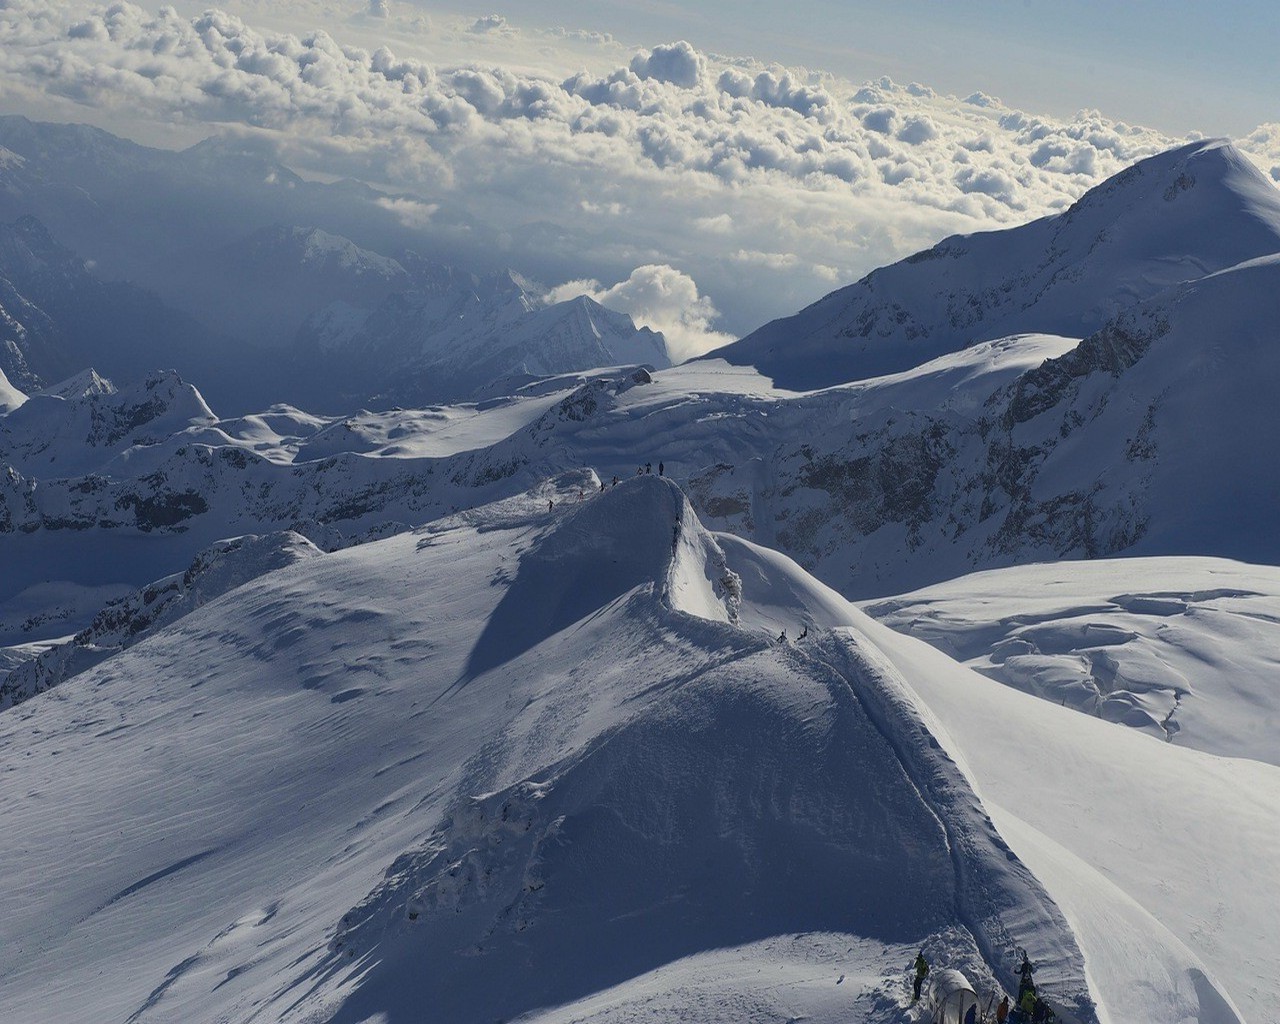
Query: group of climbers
{"x": 1029, "y": 1008}
{"x": 640, "y": 471}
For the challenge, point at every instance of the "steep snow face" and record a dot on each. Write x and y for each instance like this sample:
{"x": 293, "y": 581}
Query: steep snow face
{"x": 1184, "y": 649}
{"x": 499, "y": 748}
{"x": 10, "y": 397}
{"x": 1168, "y": 219}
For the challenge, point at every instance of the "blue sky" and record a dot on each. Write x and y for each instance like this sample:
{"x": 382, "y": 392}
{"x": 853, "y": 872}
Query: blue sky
{"x": 1178, "y": 66}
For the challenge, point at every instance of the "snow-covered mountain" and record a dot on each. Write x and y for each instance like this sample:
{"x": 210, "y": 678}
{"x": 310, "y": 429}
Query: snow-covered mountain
{"x": 1027, "y": 448}
{"x": 1169, "y": 219}
{"x": 558, "y": 747}
{"x": 195, "y": 260}
{"x": 457, "y": 707}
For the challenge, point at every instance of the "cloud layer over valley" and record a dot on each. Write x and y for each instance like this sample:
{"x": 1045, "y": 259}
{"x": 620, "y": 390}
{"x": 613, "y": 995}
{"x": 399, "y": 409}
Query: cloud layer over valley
{"x": 700, "y": 193}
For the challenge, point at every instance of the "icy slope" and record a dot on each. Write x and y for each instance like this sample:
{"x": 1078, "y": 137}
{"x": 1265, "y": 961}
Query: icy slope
{"x": 1168, "y": 219}
{"x": 1184, "y": 649}
{"x": 1155, "y": 853}
{"x": 358, "y": 785}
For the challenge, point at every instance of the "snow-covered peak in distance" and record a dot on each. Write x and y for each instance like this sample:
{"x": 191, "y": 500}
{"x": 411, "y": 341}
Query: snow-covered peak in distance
{"x": 1170, "y": 218}
{"x": 80, "y": 425}
{"x": 452, "y": 334}
{"x": 80, "y": 385}
{"x": 321, "y": 251}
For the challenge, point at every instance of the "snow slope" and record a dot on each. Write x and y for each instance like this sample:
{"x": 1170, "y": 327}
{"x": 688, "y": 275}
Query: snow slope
{"x": 122, "y": 623}
{"x": 519, "y": 745}
{"x": 1184, "y": 649}
{"x": 1171, "y": 218}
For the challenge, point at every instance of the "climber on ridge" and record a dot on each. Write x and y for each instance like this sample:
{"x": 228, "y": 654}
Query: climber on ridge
{"x": 922, "y": 968}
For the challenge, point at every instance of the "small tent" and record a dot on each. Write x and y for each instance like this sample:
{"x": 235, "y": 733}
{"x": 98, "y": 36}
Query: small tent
{"x": 949, "y": 998}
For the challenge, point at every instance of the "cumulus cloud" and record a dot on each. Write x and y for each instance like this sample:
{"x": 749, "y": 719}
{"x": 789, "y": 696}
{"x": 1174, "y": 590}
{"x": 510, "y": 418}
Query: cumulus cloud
{"x": 489, "y": 23}
{"x": 662, "y": 298}
{"x": 378, "y": 9}
{"x": 918, "y": 129}
{"x": 881, "y": 120}
{"x": 678, "y": 64}
{"x": 412, "y": 213}
{"x": 720, "y": 224}
{"x": 661, "y": 159}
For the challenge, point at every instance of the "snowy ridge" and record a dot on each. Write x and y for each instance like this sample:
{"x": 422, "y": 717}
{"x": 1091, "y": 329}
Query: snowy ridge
{"x": 123, "y": 623}
{"x": 1171, "y": 218}
{"x": 499, "y": 856}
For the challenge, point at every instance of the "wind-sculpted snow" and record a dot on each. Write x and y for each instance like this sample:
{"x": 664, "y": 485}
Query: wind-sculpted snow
{"x": 1155, "y": 854}
{"x": 123, "y": 623}
{"x": 1168, "y": 219}
{"x": 1183, "y": 649}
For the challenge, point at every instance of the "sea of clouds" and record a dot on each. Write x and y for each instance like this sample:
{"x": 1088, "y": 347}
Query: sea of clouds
{"x": 700, "y": 193}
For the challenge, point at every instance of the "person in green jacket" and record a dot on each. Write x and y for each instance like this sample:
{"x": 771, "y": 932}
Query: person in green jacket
{"x": 922, "y": 968}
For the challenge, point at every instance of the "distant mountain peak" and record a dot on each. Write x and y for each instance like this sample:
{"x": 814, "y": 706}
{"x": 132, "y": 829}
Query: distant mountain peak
{"x": 1170, "y": 218}
{"x": 81, "y": 385}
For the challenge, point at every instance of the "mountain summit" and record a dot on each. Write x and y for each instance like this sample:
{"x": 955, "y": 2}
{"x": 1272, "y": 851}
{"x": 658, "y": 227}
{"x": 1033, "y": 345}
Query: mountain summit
{"x": 1171, "y": 218}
